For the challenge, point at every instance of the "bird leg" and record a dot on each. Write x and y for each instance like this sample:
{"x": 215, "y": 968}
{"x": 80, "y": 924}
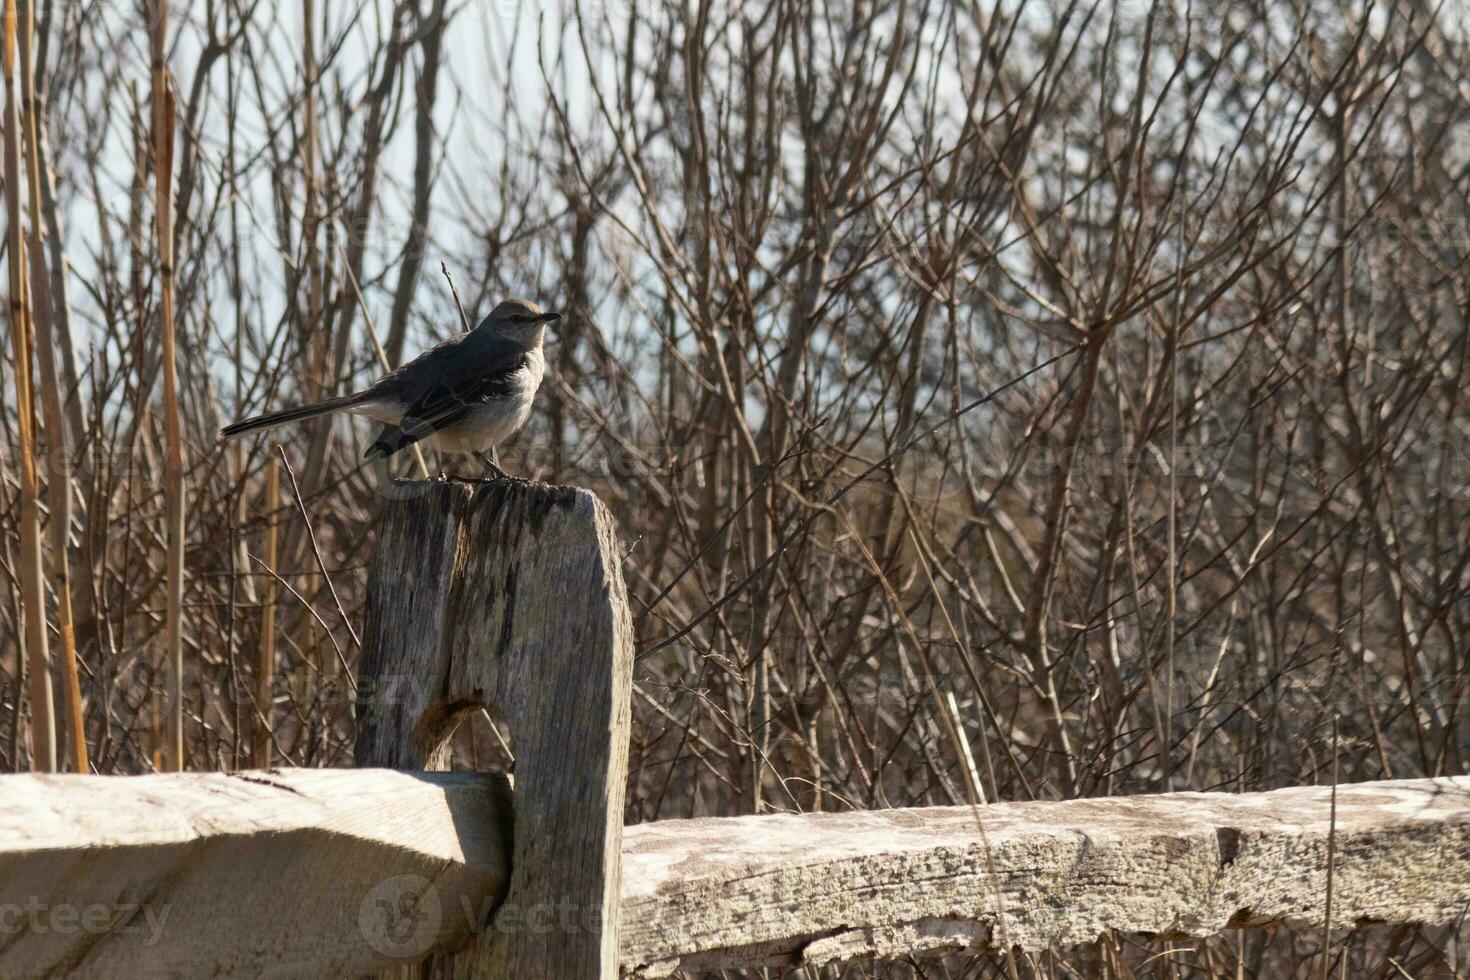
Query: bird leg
{"x": 499, "y": 473}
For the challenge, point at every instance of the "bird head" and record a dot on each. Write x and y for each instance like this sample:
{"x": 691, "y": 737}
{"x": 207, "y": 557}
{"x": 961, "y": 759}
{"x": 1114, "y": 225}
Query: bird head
{"x": 520, "y": 320}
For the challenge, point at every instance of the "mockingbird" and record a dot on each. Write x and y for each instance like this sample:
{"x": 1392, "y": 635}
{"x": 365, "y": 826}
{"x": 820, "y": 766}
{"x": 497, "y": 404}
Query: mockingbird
{"x": 465, "y": 396}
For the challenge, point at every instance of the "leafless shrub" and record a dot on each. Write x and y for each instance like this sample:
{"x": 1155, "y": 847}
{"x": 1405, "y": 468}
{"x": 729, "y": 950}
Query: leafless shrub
{"x": 800, "y": 242}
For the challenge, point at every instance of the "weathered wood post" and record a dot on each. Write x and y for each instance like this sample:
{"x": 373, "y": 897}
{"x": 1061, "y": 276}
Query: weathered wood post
{"x": 512, "y": 595}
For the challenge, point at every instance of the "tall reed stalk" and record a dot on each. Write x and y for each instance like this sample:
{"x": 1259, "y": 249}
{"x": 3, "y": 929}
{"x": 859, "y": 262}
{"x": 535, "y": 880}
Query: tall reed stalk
{"x": 33, "y": 596}
{"x": 163, "y": 158}
{"x": 265, "y": 667}
{"x": 58, "y": 439}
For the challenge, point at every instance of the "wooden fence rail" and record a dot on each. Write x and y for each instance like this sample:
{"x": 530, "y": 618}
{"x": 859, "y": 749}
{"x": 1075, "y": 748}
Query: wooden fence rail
{"x": 511, "y": 596}
{"x": 316, "y": 873}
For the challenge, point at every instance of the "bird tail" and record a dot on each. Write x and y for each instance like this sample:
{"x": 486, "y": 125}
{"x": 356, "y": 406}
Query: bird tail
{"x": 273, "y": 419}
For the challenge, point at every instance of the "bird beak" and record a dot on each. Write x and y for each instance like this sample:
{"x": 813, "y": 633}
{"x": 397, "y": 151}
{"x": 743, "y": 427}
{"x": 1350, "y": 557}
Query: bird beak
{"x": 550, "y": 317}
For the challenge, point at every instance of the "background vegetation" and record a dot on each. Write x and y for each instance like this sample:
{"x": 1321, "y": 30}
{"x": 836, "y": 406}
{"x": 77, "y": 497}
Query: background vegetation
{"x": 1147, "y": 322}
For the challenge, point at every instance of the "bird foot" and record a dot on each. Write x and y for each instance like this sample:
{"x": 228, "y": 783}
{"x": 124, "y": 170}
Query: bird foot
{"x": 503, "y": 478}
{"x": 496, "y": 471}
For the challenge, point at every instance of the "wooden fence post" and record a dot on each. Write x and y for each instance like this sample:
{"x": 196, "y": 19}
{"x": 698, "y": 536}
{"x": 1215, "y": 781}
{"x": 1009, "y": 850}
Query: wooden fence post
{"x": 512, "y": 595}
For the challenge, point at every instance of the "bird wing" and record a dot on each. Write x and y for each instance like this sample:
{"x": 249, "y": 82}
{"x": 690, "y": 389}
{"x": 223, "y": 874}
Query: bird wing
{"x": 443, "y": 385}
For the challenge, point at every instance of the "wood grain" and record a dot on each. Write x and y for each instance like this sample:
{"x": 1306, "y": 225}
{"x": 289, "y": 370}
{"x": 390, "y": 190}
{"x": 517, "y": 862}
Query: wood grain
{"x": 821, "y": 888}
{"x": 511, "y": 595}
{"x": 291, "y": 873}
{"x": 318, "y": 873}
